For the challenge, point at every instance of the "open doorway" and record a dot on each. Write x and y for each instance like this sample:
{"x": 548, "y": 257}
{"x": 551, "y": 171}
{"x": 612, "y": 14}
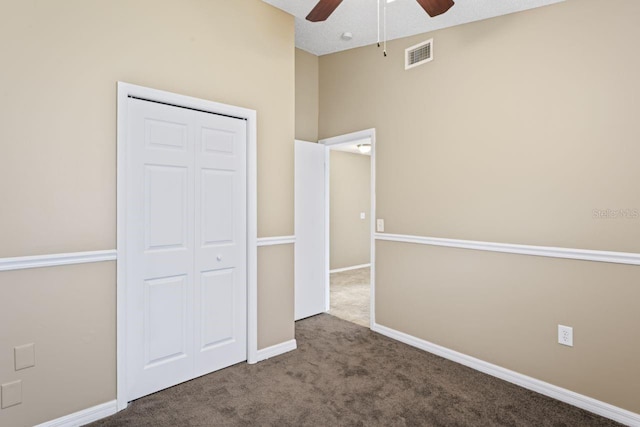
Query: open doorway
{"x": 318, "y": 254}
{"x": 349, "y": 226}
{"x": 349, "y": 170}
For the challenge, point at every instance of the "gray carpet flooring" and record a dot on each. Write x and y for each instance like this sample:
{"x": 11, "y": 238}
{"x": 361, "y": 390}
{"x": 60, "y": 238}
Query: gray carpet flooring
{"x": 345, "y": 375}
{"x": 350, "y": 295}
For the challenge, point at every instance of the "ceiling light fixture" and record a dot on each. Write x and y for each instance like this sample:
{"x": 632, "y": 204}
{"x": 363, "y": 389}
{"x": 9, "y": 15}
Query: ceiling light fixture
{"x": 364, "y": 148}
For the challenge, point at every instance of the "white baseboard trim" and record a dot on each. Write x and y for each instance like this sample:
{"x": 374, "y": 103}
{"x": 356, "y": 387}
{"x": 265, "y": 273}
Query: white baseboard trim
{"x": 52, "y": 260}
{"x": 567, "y": 396}
{"x": 353, "y": 267}
{"x": 545, "y": 251}
{"x": 277, "y": 240}
{"x": 276, "y": 350}
{"x": 83, "y": 417}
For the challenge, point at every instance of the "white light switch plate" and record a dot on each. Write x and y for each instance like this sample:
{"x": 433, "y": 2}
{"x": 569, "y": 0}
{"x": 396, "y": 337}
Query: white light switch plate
{"x": 24, "y": 356}
{"x": 380, "y": 226}
{"x": 11, "y": 394}
{"x": 362, "y": 215}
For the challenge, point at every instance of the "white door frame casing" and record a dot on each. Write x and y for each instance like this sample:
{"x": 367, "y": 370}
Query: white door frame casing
{"x": 341, "y": 140}
{"x": 125, "y": 91}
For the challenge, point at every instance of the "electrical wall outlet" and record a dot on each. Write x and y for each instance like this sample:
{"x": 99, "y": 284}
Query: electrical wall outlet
{"x": 565, "y": 335}
{"x": 380, "y": 226}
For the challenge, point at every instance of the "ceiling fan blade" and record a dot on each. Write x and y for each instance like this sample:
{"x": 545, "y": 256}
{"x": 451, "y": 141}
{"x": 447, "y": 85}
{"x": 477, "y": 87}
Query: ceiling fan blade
{"x": 436, "y": 7}
{"x": 323, "y": 9}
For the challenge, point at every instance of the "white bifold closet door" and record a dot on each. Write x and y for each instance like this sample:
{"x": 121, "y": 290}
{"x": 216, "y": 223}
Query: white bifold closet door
{"x": 186, "y": 254}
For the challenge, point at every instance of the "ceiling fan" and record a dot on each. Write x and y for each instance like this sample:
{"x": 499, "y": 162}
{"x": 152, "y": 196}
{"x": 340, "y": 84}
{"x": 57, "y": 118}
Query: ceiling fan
{"x": 325, "y": 8}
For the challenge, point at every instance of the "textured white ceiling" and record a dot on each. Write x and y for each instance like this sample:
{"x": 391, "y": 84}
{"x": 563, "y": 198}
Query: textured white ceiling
{"x": 404, "y": 18}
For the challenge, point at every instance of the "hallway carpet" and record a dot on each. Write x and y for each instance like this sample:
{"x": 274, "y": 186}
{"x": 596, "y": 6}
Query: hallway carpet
{"x": 350, "y": 295}
{"x": 345, "y": 375}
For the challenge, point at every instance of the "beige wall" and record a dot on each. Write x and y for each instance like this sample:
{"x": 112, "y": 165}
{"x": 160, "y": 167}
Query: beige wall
{"x": 275, "y": 294}
{"x": 70, "y": 314}
{"x": 505, "y": 308}
{"x": 61, "y": 62}
{"x": 519, "y": 128}
{"x": 350, "y": 194}
{"x": 307, "y": 97}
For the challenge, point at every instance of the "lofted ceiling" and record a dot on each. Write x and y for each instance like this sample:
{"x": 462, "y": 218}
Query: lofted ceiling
{"x": 404, "y": 18}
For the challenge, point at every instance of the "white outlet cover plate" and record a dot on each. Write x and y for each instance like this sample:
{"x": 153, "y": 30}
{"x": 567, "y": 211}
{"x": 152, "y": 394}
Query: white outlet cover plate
{"x": 11, "y": 394}
{"x": 565, "y": 335}
{"x": 25, "y": 356}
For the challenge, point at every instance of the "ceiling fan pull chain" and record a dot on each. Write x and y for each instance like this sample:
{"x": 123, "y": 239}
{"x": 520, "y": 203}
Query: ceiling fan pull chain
{"x": 378, "y": 23}
{"x": 385, "y": 29}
